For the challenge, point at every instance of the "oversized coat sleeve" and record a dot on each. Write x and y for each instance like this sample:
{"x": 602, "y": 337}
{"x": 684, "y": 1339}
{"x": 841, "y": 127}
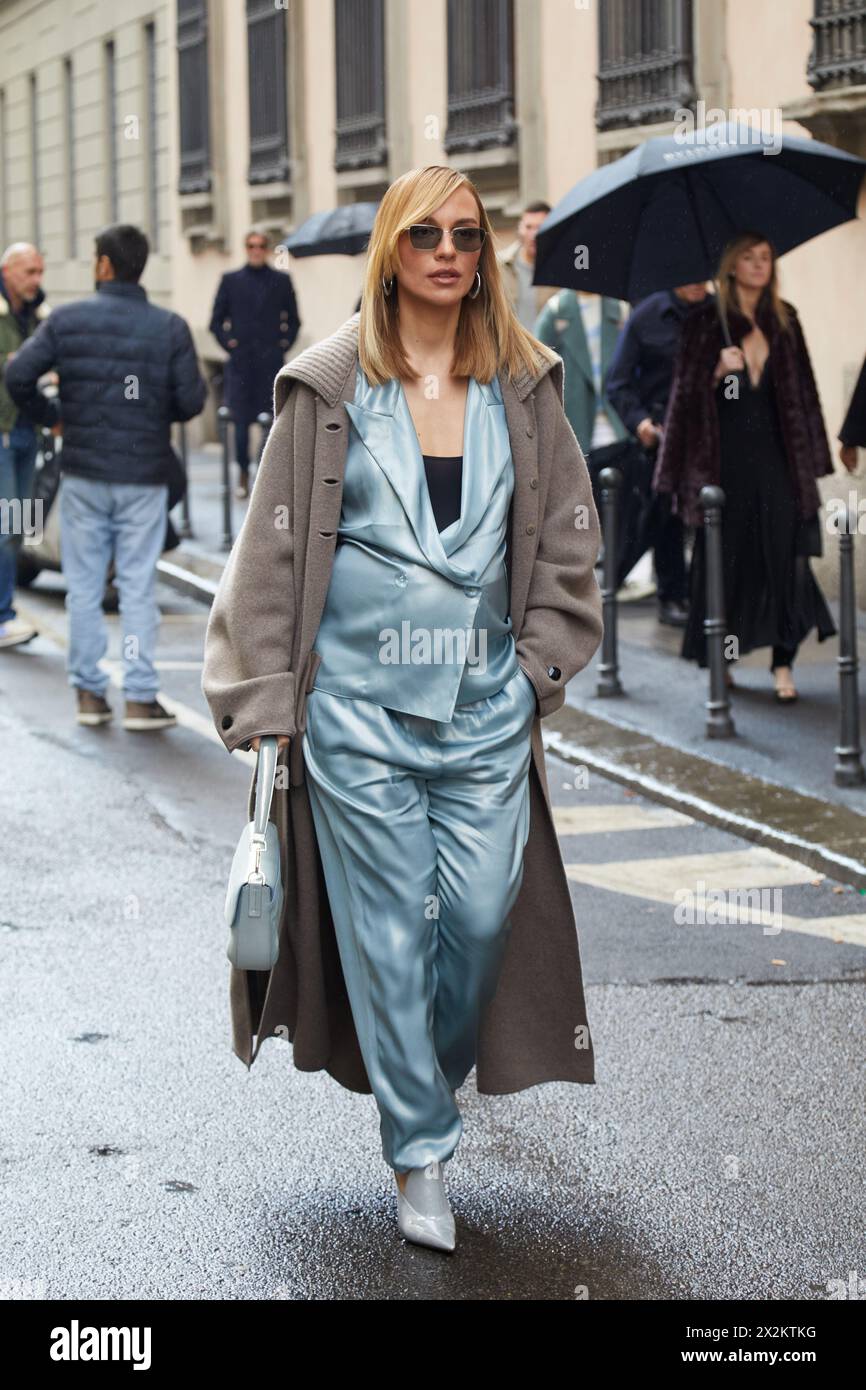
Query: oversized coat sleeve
{"x": 246, "y": 678}
{"x": 813, "y": 415}
{"x": 562, "y": 622}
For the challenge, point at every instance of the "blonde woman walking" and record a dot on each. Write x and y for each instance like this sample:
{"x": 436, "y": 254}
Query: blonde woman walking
{"x": 412, "y": 588}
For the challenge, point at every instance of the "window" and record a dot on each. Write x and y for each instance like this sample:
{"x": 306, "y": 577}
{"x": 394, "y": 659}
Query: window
{"x": 360, "y": 55}
{"x": 35, "y": 205}
{"x": 69, "y": 136}
{"x": 838, "y": 57}
{"x": 111, "y": 129}
{"x": 4, "y": 174}
{"x": 645, "y": 69}
{"x": 266, "y": 60}
{"x": 192, "y": 59}
{"x": 480, "y": 75}
{"x": 152, "y": 175}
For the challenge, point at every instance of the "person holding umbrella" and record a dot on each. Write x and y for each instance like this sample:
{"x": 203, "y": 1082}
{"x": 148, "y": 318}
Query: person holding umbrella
{"x": 255, "y": 319}
{"x": 747, "y": 416}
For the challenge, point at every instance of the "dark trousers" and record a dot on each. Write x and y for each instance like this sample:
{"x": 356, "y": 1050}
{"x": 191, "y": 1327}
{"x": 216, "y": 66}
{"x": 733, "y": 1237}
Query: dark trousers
{"x": 667, "y": 533}
{"x": 645, "y": 521}
{"x": 242, "y": 444}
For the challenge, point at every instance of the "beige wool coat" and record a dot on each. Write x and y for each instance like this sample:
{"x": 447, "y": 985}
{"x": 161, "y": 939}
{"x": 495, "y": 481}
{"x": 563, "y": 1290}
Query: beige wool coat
{"x": 260, "y": 663}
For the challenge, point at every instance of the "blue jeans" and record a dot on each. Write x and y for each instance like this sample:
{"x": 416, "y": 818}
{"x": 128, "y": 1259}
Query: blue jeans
{"x": 97, "y": 520}
{"x": 17, "y": 469}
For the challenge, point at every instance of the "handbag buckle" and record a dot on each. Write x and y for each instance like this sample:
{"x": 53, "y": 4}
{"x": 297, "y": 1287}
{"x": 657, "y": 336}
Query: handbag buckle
{"x": 257, "y": 845}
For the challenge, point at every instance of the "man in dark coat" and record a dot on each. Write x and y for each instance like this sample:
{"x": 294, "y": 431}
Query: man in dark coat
{"x": 255, "y": 319}
{"x": 638, "y": 384}
{"x": 127, "y": 369}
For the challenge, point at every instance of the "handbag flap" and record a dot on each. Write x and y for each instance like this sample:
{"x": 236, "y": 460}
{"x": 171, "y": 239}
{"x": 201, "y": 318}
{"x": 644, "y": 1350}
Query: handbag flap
{"x": 244, "y": 863}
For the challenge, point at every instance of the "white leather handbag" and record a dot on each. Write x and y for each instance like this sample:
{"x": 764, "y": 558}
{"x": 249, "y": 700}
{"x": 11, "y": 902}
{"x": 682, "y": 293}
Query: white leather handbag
{"x": 254, "y": 899}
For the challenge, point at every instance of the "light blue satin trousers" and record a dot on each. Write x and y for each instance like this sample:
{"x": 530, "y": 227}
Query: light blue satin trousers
{"x": 421, "y": 827}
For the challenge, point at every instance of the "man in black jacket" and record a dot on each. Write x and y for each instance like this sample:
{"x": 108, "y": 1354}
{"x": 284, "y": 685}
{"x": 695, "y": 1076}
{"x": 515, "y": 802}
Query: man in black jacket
{"x": 127, "y": 369}
{"x": 255, "y": 319}
{"x": 638, "y": 384}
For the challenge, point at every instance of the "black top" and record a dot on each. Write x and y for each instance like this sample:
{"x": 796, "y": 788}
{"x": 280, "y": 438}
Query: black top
{"x": 445, "y": 485}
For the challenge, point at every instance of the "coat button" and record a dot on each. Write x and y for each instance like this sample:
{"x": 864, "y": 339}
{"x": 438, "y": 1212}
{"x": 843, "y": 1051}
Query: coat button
{"x": 471, "y": 592}
{"x": 554, "y": 673}
{"x": 227, "y": 721}
{"x": 530, "y": 431}
{"x": 401, "y": 580}
{"x": 533, "y": 482}
{"x": 530, "y": 530}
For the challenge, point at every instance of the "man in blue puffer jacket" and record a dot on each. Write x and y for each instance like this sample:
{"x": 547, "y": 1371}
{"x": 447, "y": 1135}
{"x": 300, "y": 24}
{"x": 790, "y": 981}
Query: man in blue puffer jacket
{"x": 127, "y": 369}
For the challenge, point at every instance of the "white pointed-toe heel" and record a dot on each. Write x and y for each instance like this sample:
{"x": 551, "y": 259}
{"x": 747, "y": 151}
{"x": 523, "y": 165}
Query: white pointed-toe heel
{"x": 423, "y": 1212}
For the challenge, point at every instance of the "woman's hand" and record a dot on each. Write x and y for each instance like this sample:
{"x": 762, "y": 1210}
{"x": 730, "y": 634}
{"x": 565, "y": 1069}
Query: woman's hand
{"x": 648, "y": 433}
{"x": 731, "y": 359}
{"x": 848, "y": 456}
{"x": 282, "y": 740}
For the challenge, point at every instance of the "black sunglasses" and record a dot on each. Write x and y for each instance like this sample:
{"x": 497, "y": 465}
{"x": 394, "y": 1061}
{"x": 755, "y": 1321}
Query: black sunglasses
{"x": 426, "y": 237}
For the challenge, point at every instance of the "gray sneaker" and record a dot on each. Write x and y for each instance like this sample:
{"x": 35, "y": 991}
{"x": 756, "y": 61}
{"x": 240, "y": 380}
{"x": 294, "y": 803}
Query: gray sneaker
{"x": 92, "y": 708}
{"x": 13, "y": 632}
{"x": 143, "y": 715}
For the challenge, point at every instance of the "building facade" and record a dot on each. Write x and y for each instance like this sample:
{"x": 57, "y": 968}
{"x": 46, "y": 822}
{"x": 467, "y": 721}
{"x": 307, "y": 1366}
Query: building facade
{"x": 199, "y": 119}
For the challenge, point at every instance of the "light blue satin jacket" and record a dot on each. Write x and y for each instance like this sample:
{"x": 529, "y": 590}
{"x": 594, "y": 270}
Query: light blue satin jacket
{"x": 416, "y": 619}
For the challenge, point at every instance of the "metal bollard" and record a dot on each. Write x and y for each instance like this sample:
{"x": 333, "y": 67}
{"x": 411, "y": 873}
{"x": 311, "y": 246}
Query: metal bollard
{"x": 185, "y": 530}
{"x": 224, "y": 419}
{"x": 610, "y": 482}
{"x": 849, "y": 766}
{"x": 264, "y": 421}
{"x": 719, "y": 721}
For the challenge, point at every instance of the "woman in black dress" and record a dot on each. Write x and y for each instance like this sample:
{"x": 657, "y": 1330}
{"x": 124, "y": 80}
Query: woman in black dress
{"x": 748, "y": 417}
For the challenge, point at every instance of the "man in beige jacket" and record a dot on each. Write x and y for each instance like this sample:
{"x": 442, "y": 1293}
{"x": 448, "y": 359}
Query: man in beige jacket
{"x": 517, "y": 264}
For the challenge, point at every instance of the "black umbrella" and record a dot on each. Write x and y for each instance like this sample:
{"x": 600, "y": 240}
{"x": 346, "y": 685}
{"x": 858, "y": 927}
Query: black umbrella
{"x": 342, "y": 231}
{"x": 662, "y": 215}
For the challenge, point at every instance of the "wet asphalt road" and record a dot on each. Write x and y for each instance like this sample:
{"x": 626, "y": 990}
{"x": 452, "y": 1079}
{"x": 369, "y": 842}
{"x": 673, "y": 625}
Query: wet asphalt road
{"x": 719, "y": 1155}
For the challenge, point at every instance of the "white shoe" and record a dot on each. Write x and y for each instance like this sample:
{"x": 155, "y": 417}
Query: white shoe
{"x": 423, "y": 1212}
{"x": 13, "y": 632}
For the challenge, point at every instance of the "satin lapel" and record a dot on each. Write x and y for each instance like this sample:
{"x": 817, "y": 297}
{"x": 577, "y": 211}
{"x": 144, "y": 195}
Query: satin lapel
{"x": 385, "y": 426}
{"x": 387, "y": 429}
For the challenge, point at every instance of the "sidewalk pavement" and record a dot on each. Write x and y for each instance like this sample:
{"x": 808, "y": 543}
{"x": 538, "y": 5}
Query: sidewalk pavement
{"x": 772, "y": 783}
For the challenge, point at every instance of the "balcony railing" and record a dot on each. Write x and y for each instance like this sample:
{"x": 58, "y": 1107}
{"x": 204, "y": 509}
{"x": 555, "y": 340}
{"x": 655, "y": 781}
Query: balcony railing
{"x": 192, "y": 60}
{"x": 645, "y": 70}
{"x": 360, "y": 45}
{"x": 838, "y": 57}
{"x": 480, "y": 75}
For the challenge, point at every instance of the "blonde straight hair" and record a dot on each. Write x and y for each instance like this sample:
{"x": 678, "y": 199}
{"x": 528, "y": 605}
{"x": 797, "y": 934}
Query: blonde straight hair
{"x": 489, "y": 335}
{"x": 727, "y": 284}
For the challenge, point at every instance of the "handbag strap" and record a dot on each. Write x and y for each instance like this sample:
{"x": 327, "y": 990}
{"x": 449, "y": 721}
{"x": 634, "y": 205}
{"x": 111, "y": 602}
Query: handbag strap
{"x": 266, "y": 770}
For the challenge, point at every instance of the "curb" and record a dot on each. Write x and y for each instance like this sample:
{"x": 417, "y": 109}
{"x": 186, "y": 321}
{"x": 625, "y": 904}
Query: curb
{"x": 829, "y": 838}
{"x": 819, "y": 833}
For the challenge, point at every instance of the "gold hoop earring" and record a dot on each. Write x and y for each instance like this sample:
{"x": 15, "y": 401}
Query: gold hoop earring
{"x": 473, "y": 294}
{"x": 387, "y": 289}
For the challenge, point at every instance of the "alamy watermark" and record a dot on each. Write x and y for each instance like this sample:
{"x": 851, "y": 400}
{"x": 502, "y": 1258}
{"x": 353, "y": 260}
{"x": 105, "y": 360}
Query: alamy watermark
{"x": 433, "y": 646}
{"x": 22, "y": 517}
{"x": 716, "y": 906}
{"x": 715, "y": 129}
